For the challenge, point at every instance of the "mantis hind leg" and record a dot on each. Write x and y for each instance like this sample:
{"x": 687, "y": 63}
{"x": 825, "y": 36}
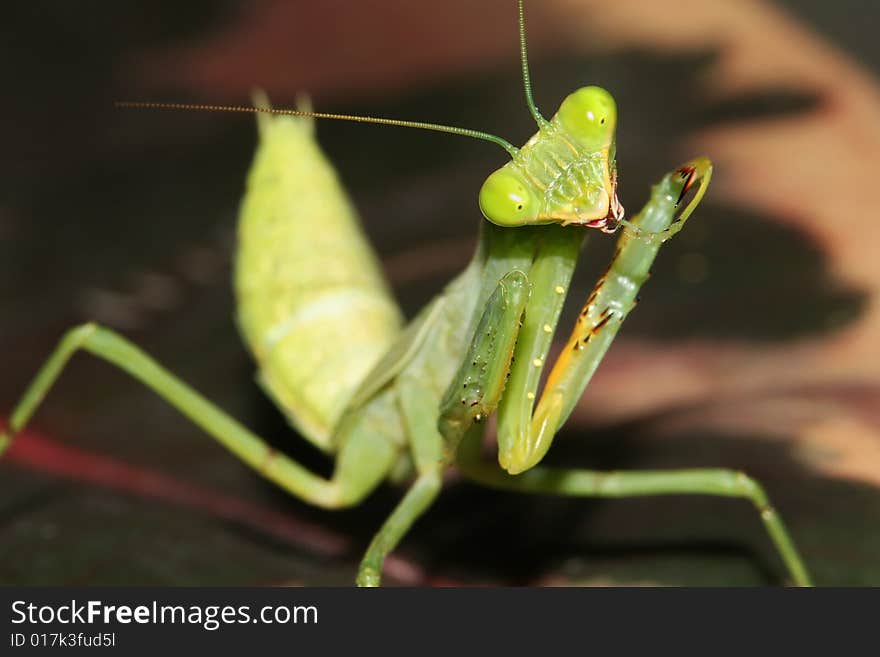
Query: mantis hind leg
{"x": 591, "y": 483}
{"x": 347, "y": 486}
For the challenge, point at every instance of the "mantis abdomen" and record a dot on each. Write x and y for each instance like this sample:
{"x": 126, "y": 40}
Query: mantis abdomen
{"x": 314, "y": 307}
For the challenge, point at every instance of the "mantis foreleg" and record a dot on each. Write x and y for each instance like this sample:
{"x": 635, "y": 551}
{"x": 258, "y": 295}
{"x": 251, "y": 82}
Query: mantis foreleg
{"x": 524, "y": 436}
{"x": 506, "y": 340}
{"x": 362, "y": 463}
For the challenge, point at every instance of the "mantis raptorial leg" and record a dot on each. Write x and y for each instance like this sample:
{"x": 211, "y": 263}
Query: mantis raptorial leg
{"x": 523, "y": 438}
{"x": 385, "y": 399}
{"x": 526, "y": 436}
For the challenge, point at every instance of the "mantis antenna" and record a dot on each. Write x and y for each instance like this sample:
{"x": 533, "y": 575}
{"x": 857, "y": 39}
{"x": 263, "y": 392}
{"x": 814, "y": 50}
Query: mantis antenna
{"x": 465, "y": 132}
{"x": 527, "y": 80}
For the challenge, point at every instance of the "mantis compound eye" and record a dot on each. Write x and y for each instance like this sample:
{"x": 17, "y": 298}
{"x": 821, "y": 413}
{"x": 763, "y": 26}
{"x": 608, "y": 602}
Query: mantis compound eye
{"x": 507, "y": 200}
{"x": 590, "y": 116}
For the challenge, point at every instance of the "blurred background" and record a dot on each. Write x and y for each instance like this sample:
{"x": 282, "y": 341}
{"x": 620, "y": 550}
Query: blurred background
{"x": 755, "y": 345}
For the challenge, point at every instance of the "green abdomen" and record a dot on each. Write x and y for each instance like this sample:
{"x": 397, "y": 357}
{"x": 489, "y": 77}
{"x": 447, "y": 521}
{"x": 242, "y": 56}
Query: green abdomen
{"x": 314, "y": 308}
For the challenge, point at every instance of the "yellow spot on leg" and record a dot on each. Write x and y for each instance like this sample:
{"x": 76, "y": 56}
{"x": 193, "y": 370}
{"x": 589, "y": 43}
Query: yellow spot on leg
{"x": 560, "y": 289}
{"x": 530, "y": 395}
{"x": 537, "y": 362}
{"x": 548, "y": 328}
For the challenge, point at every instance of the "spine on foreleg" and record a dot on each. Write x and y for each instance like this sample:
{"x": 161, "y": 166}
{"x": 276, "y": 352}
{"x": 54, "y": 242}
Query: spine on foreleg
{"x": 313, "y": 304}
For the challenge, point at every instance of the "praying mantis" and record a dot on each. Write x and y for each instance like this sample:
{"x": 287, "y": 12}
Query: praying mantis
{"x": 405, "y": 402}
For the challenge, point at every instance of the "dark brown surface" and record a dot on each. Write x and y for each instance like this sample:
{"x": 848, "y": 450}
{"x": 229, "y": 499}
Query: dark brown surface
{"x": 754, "y": 345}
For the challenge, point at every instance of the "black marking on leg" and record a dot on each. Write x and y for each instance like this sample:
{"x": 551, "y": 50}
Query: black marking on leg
{"x": 602, "y": 322}
{"x": 591, "y": 299}
{"x": 687, "y": 174}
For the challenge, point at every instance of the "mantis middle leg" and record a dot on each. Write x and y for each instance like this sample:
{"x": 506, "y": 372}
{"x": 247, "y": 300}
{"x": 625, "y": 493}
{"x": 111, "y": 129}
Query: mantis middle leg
{"x": 419, "y": 412}
{"x": 719, "y": 482}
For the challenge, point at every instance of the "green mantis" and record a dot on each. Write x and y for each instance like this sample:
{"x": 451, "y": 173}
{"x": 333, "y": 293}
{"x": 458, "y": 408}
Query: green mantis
{"x": 406, "y": 402}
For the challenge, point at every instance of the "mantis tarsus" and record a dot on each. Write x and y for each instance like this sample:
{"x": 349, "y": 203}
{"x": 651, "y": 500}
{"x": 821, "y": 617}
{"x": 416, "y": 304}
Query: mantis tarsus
{"x": 401, "y": 403}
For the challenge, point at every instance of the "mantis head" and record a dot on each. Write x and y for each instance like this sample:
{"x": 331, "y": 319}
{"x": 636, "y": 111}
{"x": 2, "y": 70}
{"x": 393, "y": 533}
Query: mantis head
{"x": 566, "y": 172}
{"x": 589, "y": 115}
